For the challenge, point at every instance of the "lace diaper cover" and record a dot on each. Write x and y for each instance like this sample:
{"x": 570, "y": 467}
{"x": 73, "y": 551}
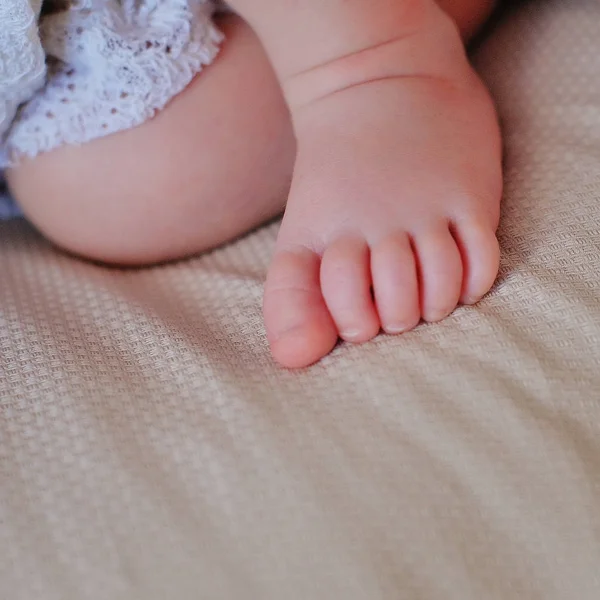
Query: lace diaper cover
{"x": 75, "y": 70}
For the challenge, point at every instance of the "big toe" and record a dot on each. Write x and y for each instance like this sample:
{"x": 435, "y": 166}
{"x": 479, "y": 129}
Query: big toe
{"x": 299, "y": 327}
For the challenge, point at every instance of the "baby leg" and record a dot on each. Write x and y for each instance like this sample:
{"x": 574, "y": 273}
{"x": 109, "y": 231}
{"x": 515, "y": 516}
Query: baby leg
{"x": 397, "y": 181}
{"x": 215, "y": 163}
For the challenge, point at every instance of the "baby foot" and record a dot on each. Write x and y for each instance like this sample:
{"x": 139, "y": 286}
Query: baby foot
{"x": 392, "y": 213}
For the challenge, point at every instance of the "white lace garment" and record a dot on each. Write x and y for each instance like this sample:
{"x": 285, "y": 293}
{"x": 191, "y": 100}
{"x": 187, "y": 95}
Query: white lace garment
{"x": 86, "y": 68}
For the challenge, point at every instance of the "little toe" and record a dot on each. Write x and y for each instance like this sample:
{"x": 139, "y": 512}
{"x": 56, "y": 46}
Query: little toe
{"x": 299, "y": 327}
{"x": 395, "y": 284}
{"x": 440, "y": 272}
{"x": 346, "y": 285}
{"x": 480, "y": 254}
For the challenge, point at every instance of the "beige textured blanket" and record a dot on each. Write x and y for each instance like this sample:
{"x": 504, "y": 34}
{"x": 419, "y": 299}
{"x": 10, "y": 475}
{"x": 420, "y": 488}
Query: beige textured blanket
{"x": 150, "y": 449}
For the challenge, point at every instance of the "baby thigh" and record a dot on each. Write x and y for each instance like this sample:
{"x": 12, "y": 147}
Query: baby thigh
{"x": 214, "y": 163}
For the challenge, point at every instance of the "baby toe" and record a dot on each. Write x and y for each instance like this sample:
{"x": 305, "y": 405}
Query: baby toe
{"x": 346, "y": 286}
{"x": 299, "y": 327}
{"x": 395, "y": 284}
{"x": 480, "y": 254}
{"x": 440, "y": 271}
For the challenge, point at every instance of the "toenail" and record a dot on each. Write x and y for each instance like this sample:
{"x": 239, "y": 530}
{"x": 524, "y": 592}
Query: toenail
{"x": 437, "y": 315}
{"x": 395, "y": 329}
{"x": 353, "y": 334}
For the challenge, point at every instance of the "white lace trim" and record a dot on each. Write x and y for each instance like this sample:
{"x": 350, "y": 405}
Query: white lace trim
{"x": 111, "y": 65}
{"x": 22, "y": 66}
